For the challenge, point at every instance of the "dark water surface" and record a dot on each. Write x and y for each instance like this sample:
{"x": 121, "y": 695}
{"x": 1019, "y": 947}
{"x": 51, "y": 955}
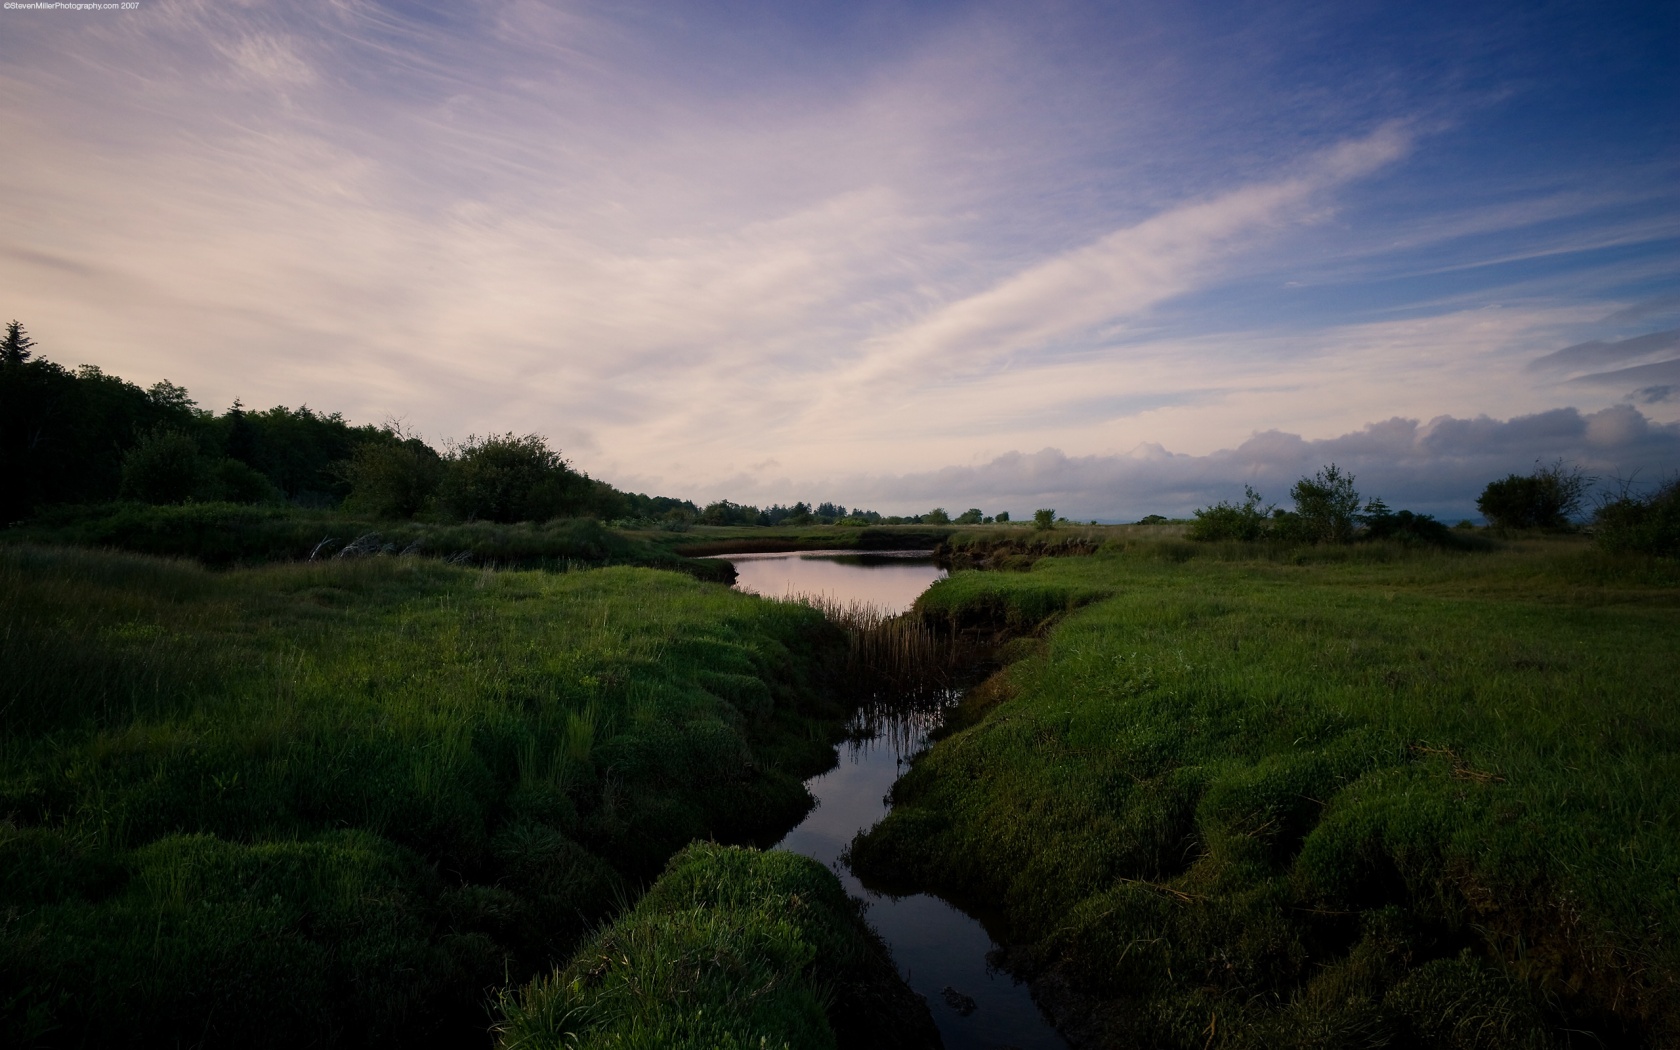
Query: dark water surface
{"x": 940, "y": 950}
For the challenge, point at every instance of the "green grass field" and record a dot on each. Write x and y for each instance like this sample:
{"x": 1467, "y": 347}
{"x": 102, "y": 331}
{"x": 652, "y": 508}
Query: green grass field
{"x": 1365, "y": 796}
{"x": 229, "y": 534}
{"x": 348, "y": 802}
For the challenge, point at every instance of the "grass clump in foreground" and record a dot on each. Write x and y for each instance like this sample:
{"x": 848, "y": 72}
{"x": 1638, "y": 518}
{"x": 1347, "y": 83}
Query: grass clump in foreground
{"x": 730, "y": 948}
{"x": 342, "y": 803}
{"x": 1357, "y": 796}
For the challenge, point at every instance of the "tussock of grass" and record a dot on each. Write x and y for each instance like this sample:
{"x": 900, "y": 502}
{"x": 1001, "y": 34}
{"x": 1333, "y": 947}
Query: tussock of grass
{"x": 730, "y": 948}
{"x": 333, "y": 802}
{"x": 1407, "y": 797}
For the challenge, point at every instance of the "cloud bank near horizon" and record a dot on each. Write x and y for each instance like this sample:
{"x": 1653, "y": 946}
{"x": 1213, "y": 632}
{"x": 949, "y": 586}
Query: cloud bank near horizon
{"x": 1437, "y": 467}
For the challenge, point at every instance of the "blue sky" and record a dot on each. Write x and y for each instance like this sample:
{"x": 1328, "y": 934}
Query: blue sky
{"x": 1115, "y": 258}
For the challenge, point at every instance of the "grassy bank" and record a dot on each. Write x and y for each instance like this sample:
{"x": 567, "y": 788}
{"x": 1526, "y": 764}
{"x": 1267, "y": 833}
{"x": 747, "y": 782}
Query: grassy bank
{"x": 1242, "y": 796}
{"x": 227, "y": 534}
{"x": 731, "y": 948}
{"x": 343, "y": 803}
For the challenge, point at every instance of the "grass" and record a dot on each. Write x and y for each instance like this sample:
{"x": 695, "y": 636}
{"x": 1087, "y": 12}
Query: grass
{"x": 731, "y": 948}
{"x": 228, "y": 534}
{"x": 1237, "y": 795}
{"x": 339, "y": 803}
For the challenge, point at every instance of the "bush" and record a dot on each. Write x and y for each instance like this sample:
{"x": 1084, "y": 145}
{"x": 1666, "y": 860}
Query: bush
{"x": 1231, "y": 521}
{"x": 508, "y": 479}
{"x": 1648, "y": 524}
{"x": 1044, "y": 519}
{"x": 1545, "y": 499}
{"x": 163, "y": 467}
{"x": 393, "y": 480}
{"x": 230, "y": 481}
{"x": 971, "y": 516}
{"x": 936, "y": 516}
{"x": 1384, "y": 524}
{"x": 1327, "y": 506}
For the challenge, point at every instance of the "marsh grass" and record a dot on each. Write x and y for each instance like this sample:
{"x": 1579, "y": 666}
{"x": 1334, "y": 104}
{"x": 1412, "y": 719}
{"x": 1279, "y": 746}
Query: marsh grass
{"x": 331, "y": 802}
{"x": 1395, "y": 796}
{"x": 227, "y": 534}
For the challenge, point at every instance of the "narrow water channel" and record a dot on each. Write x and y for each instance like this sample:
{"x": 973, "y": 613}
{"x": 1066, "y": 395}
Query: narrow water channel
{"x": 941, "y": 951}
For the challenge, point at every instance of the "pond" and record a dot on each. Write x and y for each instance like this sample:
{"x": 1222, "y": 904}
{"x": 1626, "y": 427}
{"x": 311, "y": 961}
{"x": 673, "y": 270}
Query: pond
{"x": 941, "y": 951}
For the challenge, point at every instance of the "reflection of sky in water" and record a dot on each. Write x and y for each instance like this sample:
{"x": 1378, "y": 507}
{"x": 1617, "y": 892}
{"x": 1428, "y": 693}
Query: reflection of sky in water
{"x": 891, "y": 582}
{"x": 935, "y": 946}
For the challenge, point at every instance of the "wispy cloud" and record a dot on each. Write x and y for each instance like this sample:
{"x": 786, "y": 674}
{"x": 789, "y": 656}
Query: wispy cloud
{"x": 687, "y": 243}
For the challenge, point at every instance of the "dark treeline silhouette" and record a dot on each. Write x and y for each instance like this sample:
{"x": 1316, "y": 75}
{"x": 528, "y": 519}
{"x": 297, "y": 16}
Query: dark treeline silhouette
{"x": 80, "y": 436}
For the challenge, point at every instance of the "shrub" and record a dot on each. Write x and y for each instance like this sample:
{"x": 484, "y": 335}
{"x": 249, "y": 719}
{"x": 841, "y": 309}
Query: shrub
{"x": 163, "y": 467}
{"x": 971, "y": 516}
{"x": 230, "y": 481}
{"x": 1544, "y": 499}
{"x": 508, "y": 479}
{"x": 1648, "y": 524}
{"x": 1002, "y": 517}
{"x": 1231, "y": 521}
{"x": 393, "y": 479}
{"x": 1384, "y": 524}
{"x": 1327, "y": 506}
{"x": 937, "y": 516}
{"x": 1044, "y": 519}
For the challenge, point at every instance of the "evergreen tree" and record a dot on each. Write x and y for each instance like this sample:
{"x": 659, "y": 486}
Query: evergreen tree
{"x": 14, "y": 349}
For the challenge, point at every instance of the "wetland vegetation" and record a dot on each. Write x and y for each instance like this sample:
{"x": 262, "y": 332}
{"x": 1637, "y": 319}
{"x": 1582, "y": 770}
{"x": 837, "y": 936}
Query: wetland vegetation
{"x": 313, "y": 735}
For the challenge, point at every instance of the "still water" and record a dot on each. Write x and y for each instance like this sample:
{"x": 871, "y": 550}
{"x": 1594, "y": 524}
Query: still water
{"x": 941, "y": 951}
{"x": 889, "y": 580}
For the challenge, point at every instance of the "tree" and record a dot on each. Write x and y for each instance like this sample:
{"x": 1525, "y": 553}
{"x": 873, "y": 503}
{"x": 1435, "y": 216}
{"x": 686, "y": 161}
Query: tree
{"x": 393, "y": 479}
{"x": 510, "y": 479}
{"x": 1044, "y": 519}
{"x": 1002, "y": 517}
{"x": 1327, "y": 506}
{"x": 14, "y": 349}
{"x": 1647, "y": 524}
{"x": 971, "y": 516}
{"x": 937, "y": 516}
{"x": 1544, "y": 499}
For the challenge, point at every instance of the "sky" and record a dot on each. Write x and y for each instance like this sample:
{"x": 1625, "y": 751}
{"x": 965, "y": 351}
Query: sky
{"x": 1111, "y": 258}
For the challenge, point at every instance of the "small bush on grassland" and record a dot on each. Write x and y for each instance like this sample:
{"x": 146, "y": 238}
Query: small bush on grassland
{"x": 1044, "y": 519}
{"x": 1545, "y": 499}
{"x": 936, "y": 516}
{"x": 1326, "y": 506}
{"x": 730, "y": 948}
{"x": 1648, "y": 524}
{"x": 1231, "y": 521}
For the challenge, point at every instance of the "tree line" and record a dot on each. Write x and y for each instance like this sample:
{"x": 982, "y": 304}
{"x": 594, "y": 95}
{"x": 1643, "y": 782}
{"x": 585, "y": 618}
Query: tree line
{"x": 81, "y": 436}
{"x": 1328, "y": 509}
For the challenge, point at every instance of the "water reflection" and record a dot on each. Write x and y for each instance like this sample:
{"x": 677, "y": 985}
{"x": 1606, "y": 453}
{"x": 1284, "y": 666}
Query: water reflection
{"x": 889, "y": 580}
{"x": 941, "y": 951}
